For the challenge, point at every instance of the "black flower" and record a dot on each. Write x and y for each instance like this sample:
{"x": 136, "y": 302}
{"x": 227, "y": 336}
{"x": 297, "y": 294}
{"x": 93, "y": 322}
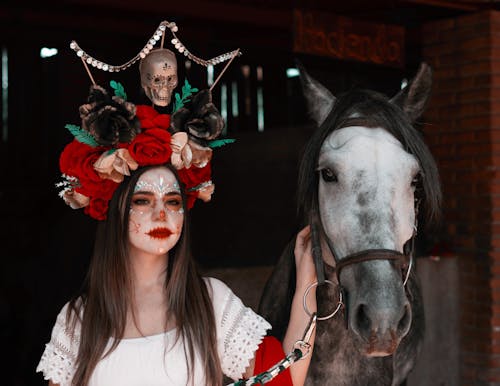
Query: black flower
{"x": 199, "y": 118}
{"x": 110, "y": 120}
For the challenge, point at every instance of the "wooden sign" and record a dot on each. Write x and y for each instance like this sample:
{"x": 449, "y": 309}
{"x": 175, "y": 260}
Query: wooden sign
{"x": 343, "y": 38}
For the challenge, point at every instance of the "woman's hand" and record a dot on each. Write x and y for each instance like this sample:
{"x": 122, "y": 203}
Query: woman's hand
{"x": 299, "y": 320}
{"x": 304, "y": 262}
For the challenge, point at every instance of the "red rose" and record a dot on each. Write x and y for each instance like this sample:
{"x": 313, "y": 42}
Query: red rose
{"x": 151, "y": 119}
{"x": 97, "y": 208}
{"x": 103, "y": 189}
{"x": 73, "y": 157}
{"x": 151, "y": 147}
{"x": 91, "y": 184}
{"x": 194, "y": 176}
{"x": 77, "y": 160}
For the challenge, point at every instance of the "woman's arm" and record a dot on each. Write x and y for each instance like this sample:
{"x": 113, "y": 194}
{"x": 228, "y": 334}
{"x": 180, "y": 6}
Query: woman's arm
{"x": 299, "y": 320}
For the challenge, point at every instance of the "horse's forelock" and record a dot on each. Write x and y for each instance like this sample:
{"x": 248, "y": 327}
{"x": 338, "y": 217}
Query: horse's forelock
{"x": 372, "y": 110}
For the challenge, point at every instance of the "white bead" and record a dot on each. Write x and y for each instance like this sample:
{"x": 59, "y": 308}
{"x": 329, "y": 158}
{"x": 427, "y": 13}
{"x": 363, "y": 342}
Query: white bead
{"x": 99, "y": 65}
{"x": 174, "y": 41}
{"x": 177, "y": 45}
{"x": 181, "y": 49}
{"x": 105, "y": 67}
{"x": 162, "y": 28}
{"x": 89, "y": 60}
{"x": 142, "y": 55}
{"x": 146, "y": 50}
{"x": 94, "y": 62}
{"x": 79, "y": 53}
{"x": 174, "y": 28}
{"x": 149, "y": 46}
{"x": 72, "y": 45}
{"x": 152, "y": 41}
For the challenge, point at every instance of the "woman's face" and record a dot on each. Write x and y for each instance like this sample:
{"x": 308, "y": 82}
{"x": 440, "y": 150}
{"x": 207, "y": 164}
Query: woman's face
{"x": 156, "y": 213}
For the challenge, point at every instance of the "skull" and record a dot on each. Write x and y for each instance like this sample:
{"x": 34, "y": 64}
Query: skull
{"x": 159, "y": 75}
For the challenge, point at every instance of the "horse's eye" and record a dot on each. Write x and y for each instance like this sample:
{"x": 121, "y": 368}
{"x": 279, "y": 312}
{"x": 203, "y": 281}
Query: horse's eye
{"x": 328, "y": 175}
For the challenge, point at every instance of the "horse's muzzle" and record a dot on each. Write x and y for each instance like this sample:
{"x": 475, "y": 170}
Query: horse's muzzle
{"x": 380, "y": 318}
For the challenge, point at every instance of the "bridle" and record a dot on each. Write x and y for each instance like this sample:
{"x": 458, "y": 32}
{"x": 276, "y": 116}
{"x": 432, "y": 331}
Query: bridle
{"x": 402, "y": 260}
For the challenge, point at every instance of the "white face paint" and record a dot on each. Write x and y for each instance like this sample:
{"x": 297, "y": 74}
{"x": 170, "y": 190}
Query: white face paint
{"x": 156, "y": 214}
{"x": 366, "y": 190}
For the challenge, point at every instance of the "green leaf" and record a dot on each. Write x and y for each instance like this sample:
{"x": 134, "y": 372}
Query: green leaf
{"x": 220, "y": 142}
{"x": 177, "y": 102}
{"x": 119, "y": 90}
{"x": 187, "y": 92}
{"x": 81, "y": 135}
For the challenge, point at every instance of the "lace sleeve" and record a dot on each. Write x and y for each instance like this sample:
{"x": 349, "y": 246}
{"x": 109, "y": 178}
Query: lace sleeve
{"x": 59, "y": 356}
{"x": 239, "y": 330}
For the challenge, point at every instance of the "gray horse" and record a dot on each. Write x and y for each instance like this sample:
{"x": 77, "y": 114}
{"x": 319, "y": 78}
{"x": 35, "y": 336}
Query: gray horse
{"x": 365, "y": 181}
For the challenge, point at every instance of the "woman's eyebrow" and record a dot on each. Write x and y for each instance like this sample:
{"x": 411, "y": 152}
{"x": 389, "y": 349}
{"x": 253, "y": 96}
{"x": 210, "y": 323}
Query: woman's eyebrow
{"x": 173, "y": 193}
{"x": 144, "y": 192}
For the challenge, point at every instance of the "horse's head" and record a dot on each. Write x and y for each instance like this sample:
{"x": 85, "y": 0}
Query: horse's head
{"x": 366, "y": 170}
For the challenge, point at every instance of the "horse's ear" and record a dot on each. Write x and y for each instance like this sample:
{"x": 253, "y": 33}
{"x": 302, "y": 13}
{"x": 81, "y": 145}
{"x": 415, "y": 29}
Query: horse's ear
{"x": 320, "y": 101}
{"x": 414, "y": 96}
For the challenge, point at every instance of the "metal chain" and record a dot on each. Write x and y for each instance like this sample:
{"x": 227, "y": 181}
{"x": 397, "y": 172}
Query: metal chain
{"x": 148, "y": 47}
{"x": 301, "y": 349}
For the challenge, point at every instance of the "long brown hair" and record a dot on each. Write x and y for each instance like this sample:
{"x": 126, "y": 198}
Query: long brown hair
{"x": 104, "y": 302}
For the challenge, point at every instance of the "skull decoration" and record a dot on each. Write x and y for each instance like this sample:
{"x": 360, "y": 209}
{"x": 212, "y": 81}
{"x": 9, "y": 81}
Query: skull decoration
{"x": 159, "y": 75}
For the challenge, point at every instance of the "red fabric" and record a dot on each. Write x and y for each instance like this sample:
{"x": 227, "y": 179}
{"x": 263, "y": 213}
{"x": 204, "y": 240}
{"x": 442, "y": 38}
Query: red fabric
{"x": 268, "y": 354}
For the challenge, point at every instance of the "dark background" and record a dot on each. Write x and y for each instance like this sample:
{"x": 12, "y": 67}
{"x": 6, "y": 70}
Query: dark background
{"x": 45, "y": 246}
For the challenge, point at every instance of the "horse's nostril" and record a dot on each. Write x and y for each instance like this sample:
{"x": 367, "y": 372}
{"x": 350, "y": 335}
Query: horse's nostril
{"x": 362, "y": 319}
{"x": 405, "y": 321}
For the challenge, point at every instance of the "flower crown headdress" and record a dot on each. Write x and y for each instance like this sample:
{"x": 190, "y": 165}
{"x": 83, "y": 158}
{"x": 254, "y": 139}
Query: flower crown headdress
{"x": 117, "y": 136}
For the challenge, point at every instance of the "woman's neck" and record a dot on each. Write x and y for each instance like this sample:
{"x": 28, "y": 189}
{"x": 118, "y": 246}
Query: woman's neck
{"x": 148, "y": 312}
{"x": 148, "y": 270}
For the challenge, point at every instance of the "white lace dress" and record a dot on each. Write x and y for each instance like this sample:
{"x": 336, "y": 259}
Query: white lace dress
{"x": 156, "y": 360}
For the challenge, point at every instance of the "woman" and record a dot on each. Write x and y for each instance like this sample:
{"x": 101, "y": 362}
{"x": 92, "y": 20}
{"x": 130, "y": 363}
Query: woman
{"x": 146, "y": 317}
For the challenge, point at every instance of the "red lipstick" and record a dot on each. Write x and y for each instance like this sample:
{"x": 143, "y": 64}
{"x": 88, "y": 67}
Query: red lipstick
{"x": 159, "y": 233}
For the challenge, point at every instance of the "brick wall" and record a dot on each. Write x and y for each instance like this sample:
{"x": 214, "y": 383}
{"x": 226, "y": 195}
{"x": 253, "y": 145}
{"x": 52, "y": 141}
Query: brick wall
{"x": 464, "y": 136}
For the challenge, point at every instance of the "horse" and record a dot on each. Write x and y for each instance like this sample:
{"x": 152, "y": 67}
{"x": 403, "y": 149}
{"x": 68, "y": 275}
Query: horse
{"x": 366, "y": 180}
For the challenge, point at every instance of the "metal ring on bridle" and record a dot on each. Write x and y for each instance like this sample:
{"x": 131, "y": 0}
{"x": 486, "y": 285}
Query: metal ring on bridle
{"x": 410, "y": 266}
{"x": 309, "y": 313}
